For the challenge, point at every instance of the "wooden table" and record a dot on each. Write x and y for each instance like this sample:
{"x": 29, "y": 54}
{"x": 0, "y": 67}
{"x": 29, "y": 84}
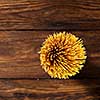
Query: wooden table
{"x": 24, "y": 24}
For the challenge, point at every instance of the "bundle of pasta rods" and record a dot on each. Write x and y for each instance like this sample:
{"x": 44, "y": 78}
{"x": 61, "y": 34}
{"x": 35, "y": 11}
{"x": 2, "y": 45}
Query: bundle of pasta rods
{"x": 62, "y": 55}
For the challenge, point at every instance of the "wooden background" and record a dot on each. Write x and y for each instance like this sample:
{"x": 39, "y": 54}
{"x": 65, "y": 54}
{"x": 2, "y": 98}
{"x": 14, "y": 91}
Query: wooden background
{"x": 24, "y": 24}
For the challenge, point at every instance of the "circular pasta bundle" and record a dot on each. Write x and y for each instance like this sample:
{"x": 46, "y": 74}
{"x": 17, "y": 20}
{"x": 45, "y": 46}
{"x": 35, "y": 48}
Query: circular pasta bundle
{"x": 62, "y": 55}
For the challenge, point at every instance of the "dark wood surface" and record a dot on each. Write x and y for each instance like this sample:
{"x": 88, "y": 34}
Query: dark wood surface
{"x": 24, "y": 25}
{"x": 19, "y": 56}
{"x": 48, "y": 89}
{"x": 49, "y": 14}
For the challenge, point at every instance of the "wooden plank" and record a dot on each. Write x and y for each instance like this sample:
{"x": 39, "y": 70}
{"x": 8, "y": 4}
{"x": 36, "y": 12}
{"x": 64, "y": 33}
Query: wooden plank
{"x": 49, "y": 14}
{"x": 19, "y": 56}
{"x": 50, "y": 89}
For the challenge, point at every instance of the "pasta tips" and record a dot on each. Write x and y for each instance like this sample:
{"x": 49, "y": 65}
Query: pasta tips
{"x": 62, "y": 55}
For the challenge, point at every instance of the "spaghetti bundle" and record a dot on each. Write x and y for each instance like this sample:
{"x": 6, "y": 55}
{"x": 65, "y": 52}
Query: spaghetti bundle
{"x": 62, "y": 55}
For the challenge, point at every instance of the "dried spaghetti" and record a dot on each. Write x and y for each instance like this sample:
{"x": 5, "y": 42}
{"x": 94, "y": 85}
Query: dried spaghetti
{"x": 62, "y": 55}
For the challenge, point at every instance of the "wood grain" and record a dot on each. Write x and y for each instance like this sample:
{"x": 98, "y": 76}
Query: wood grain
{"x": 50, "y": 89}
{"x": 19, "y": 56}
{"x": 24, "y": 25}
{"x": 49, "y": 15}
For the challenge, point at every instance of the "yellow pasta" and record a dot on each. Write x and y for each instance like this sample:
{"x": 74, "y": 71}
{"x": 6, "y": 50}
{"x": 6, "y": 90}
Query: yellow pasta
{"x": 62, "y": 55}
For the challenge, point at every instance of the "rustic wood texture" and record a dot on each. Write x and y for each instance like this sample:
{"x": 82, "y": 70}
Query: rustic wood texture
{"x": 24, "y": 25}
{"x": 49, "y": 89}
{"x": 19, "y": 56}
{"x": 49, "y": 14}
